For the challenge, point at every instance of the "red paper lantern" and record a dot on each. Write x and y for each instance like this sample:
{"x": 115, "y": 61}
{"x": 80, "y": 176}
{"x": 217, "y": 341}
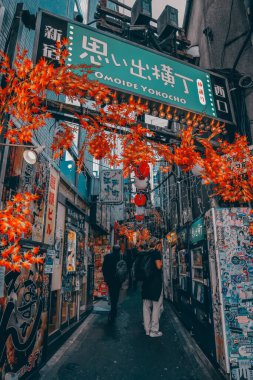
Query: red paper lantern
{"x": 139, "y": 218}
{"x": 140, "y": 200}
{"x": 142, "y": 170}
{"x": 251, "y": 229}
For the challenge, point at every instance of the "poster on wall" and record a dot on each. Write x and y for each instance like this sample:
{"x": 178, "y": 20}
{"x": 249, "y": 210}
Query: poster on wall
{"x": 71, "y": 251}
{"x": 51, "y": 206}
{"x": 23, "y": 322}
{"x": 231, "y": 268}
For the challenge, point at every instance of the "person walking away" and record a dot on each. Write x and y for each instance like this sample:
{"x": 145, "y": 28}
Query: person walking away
{"x": 152, "y": 293}
{"x": 110, "y": 271}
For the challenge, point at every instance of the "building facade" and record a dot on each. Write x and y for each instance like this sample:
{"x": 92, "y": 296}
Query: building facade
{"x": 61, "y": 288}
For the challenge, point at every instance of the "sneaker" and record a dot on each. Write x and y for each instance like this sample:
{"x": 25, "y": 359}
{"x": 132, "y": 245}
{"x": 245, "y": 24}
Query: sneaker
{"x": 155, "y": 334}
{"x": 147, "y": 333}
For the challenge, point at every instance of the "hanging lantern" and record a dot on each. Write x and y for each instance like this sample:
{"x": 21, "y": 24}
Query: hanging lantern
{"x": 140, "y": 200}
{"x": 140, "y": 210}
{"x": 139, "y": 218}
{"x": 141, "y": 184}
{"x": 142, "y": 170}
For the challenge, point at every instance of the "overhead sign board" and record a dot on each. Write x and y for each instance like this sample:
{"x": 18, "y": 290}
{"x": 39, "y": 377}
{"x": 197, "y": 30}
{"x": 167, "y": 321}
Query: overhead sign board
{"x": 197, "y": 231}
{"x": 111, "y": 186}
{"x": 127, "y": 67}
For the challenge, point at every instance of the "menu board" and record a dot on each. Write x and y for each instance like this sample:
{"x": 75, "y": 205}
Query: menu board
{"x": 101, "y": 247}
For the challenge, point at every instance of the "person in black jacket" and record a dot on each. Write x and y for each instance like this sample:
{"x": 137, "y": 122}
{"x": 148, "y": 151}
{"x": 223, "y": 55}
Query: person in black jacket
{"x": 152, "y": 293}
{"x": 114, "y": 285}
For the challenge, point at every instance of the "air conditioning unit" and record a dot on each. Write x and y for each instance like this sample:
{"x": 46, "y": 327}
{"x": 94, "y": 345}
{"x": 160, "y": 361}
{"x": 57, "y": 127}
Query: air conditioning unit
{"x": 141, "y": 13}
{"x": 167, "y": 21}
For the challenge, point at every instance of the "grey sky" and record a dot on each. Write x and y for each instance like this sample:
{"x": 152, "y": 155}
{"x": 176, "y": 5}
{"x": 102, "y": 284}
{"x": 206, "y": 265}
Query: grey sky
{"x": 159, "y": 5}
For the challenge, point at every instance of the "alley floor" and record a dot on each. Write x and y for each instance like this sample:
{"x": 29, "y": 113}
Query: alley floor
{"x": 122, "y": 351}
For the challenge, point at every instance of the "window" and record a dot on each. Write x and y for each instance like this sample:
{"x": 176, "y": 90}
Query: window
{"x": 68, "y": 167}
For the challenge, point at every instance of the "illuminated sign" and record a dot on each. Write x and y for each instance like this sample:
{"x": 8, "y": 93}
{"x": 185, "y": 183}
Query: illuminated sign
{"x": 127, "y": 67}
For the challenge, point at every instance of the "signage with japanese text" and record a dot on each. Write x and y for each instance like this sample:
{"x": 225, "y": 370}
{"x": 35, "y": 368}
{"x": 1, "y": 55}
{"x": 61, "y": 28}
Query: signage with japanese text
{"x": 197, "y": 232}
{"x": 125, "y": 66}
{"x": 51, "y": 206}
{"x": 111, "y": 186}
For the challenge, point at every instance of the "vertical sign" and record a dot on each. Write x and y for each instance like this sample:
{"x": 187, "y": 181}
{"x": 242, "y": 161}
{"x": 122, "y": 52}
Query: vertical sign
{"x": 111, "y": 186}
{"x": 125, "y": 66}
{"x": 51, "y": 206}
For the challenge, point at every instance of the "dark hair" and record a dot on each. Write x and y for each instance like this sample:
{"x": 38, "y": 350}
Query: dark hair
{"x": 116, "y": 249}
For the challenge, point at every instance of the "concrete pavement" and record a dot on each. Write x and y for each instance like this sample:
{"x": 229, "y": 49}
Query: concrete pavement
{"x": 98, "y": 351}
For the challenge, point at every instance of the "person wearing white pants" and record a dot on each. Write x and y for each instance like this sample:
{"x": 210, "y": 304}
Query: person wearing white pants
{"x": 152, "y": 311}
{"x": 152, "y": 295}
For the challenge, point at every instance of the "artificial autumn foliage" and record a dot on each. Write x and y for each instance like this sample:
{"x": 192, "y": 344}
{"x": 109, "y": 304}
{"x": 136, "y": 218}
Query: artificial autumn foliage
{"x": 14, "y": 224}
{"x": 23, "y": 98}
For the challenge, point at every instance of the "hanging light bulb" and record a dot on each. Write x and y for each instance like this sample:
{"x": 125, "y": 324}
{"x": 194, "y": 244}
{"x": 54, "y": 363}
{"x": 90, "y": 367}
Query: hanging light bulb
{"x": 161, "y": 111}
{"x": 189, "y": 122}
{"x": 169, "y": 116}
{"x": 107, "y": 100}
{"x": 147, "y": 108}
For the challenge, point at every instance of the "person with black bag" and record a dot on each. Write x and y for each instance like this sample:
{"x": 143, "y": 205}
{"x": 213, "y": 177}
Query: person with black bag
{"x": 115, "y": 273}
{"x": 152, "y": 292}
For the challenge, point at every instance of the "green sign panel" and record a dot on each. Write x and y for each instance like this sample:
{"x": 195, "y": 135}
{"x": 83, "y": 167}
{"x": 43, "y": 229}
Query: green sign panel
{"x": 125, "y": 66}
{"x": 197, "y": 232}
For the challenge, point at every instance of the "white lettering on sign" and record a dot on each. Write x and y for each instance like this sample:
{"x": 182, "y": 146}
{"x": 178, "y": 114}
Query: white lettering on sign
{"x": 98, "y": 53}
{"x": 219, "y": 91}
{"x": 145, "y": 89}
{"x": 201, "y": 92}
{"x": 52, "y": 33}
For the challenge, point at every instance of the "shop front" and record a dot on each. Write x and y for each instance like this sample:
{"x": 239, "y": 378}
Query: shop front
{"x": 200, "y": 284}
{"x": 74, "y": 269}
{"x": 169, "y": 265}
{"x": 184, "y": 275}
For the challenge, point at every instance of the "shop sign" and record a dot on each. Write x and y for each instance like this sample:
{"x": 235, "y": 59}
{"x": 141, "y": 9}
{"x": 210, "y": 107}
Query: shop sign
{"x": 51, "y": 206}
{"x": 2, "y": 274}
{"x": 49, "y": 262}
{"x": 59, "y": 233}
{"x": 75, "y": 218}
{"x": 197, "y": 231}
{"x": 125, "y": 66}
{"x": 111, "y": 186}
{"x": 34, "y": 178}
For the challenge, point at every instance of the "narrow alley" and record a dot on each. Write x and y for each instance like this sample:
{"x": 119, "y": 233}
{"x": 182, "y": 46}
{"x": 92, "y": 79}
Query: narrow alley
{"x": 121, "y": 351}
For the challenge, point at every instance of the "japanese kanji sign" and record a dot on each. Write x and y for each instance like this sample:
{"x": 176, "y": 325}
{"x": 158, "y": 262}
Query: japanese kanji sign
{"x": 51, "y": 206}
{"x": 111, "y": 186}
{"x": 125, "y": 66}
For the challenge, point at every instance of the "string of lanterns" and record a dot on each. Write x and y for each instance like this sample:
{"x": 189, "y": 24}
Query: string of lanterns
{"x": 141, "y": 181}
